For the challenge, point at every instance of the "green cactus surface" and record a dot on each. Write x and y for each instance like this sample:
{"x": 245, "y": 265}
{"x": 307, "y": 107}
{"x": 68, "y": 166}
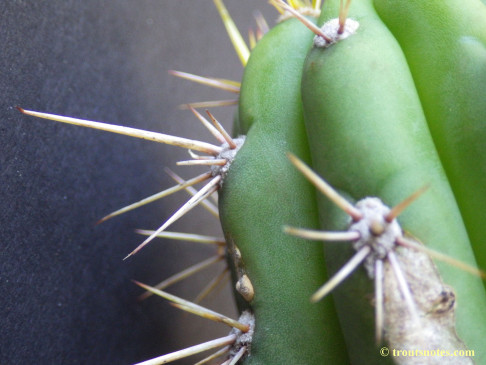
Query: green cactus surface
{"x": 369, "y": 134}
{"x": 260, "y": 182}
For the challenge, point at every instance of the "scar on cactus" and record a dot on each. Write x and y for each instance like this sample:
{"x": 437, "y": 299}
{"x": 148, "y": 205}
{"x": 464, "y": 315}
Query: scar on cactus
{"x": 410, "y": 298}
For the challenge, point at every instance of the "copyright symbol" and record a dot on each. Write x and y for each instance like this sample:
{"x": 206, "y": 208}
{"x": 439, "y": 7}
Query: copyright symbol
{"x": 384, "y": 351}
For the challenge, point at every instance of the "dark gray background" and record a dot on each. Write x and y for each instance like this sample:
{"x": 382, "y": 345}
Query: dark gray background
{"x": 66, "y": 295}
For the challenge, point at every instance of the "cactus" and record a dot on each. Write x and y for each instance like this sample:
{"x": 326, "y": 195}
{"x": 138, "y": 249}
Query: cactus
{"x": 357, "y": 103}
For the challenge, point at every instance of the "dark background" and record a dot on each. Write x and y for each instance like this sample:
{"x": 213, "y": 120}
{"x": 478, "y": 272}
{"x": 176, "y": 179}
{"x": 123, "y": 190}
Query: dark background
{"x": 66, "y": 295}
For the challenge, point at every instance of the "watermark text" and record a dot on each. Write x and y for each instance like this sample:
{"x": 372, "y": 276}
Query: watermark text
{"x": 385, "y": 351}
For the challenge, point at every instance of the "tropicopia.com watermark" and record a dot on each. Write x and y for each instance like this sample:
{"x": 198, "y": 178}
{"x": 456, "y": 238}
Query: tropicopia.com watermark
{"x": 385, "y": 351}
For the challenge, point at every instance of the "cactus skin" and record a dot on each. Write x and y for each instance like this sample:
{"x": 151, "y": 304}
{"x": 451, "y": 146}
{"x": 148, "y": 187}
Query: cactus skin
{"x": 261, "y": 193}
{"x": 445, "y": 46}
{"x": 369, "y": 137}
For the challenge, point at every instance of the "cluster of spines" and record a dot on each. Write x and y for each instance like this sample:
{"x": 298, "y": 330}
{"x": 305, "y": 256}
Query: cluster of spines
{"x": 211, "y": 158}
{"x": 198, "y": 197}
{"x": 376, "y": 228}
